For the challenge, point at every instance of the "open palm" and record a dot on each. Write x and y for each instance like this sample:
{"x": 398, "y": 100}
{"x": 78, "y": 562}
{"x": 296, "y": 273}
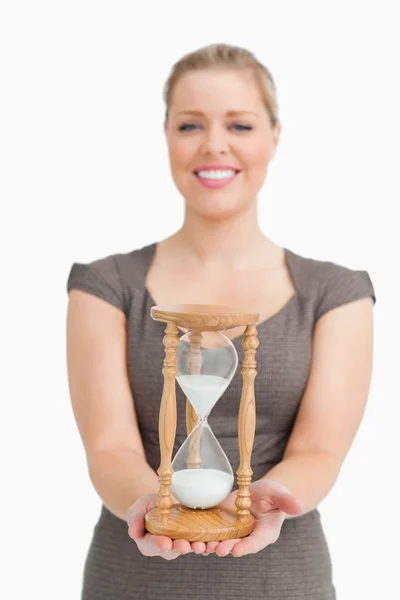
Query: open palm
{"x": 271, "y": 502}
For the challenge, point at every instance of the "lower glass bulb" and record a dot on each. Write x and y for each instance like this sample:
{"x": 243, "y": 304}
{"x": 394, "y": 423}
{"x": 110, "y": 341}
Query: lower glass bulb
{"x": 201, "y": 488}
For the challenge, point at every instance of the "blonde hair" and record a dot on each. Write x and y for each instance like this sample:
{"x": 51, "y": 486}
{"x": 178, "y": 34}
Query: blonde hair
{"x": 229, "y": 57}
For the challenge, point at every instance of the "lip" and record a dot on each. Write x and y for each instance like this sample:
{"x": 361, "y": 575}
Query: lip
{"x": 216, "y": 183}
{"x": 216, "y": 168}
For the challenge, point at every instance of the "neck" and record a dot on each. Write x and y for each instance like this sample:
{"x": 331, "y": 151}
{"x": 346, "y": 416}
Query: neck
{"x": 237, "y": 241}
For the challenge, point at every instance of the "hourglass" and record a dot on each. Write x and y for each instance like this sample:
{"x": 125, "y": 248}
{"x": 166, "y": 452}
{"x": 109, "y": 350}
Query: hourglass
{"x": 200, "y": 477}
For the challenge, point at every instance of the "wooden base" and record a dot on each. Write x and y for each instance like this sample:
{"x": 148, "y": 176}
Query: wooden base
{"x": 197, "y": 525}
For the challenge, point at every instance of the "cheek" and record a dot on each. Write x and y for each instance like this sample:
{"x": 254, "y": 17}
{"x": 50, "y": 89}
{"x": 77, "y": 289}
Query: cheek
{"x": 257, "y": 155}
{"x": 181, "y": 155}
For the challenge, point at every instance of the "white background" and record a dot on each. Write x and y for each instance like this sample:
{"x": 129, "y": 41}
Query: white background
{"x": 84, "y": 169}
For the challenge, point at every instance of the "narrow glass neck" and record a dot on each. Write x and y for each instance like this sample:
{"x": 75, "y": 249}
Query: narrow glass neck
{"x": 203, "y": 420}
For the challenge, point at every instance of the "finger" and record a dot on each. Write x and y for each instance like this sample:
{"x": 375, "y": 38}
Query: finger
{"x": 142, "y": 506}
{"x": 182, "y": 546}
{"x": 255, "y": 542}
{"x": 136, "y": 529}
{"x": 249, "y": 546}
{"x": 155, "y": 544}
{"x": 283, "y": 499}
{"x": 211, "y": 546}
{"x": 136, "y": 514}
{"x": 170, "y": 555}
{"x": 198, "y": 547}
{"x": 289, "y": 504}
{"x": 224, "y": 548}
{"x": 266, "y": 532}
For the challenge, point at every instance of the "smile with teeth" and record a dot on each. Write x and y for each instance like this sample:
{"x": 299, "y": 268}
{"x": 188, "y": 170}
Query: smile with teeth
{"x": 215, "y": 177}
{"x": 220, "y": 174}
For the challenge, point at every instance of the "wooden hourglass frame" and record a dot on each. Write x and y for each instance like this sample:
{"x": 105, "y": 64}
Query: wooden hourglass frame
{"x": 218, "y": 523}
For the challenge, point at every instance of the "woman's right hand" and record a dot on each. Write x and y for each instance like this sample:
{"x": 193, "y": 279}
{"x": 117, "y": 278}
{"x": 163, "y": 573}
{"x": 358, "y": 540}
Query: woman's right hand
{"x": 156, "y": 545}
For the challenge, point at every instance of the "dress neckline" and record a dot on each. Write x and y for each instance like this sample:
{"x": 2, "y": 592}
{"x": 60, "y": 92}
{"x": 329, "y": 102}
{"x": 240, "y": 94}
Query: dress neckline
{"x": 288, "y": 255}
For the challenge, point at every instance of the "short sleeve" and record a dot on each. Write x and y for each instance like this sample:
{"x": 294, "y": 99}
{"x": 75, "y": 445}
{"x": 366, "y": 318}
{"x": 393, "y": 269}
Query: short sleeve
{"x": 100, "y": 278}
{"x": 343, "y": 286}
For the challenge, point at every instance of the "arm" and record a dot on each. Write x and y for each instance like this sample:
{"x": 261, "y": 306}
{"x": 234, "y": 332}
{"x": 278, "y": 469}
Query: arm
{"x": 103, "y": 404}
{"x": 120, "y": 477}
{"x": 333, "y": 403}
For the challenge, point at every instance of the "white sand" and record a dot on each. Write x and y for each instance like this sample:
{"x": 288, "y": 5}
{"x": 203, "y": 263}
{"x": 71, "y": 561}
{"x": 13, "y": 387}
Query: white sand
{"x": 203, "y": 391}
{"x": 201, "y": 488}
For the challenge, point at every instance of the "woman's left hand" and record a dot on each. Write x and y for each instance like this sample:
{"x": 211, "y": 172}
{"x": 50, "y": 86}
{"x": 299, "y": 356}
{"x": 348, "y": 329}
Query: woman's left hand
{"x": 271, "y": 502}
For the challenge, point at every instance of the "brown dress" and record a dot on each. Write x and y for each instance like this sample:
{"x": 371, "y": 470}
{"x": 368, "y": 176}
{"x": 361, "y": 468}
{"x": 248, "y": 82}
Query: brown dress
{"x": 298, "y": 565}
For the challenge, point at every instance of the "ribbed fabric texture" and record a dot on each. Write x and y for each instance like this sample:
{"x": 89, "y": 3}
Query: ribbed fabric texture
{"x": 298, "y": 565}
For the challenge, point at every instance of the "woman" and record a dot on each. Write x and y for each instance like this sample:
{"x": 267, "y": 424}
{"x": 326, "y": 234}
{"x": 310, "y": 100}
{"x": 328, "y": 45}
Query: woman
{"x": 313, "y": 363}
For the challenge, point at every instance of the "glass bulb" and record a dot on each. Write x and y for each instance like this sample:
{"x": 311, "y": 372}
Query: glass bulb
{"x": 206, "y": 363}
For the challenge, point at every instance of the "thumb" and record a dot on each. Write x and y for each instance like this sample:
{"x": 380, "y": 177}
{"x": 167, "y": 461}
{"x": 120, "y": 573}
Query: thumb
{"x": 136, "y": 513}
{"x": 283, "y": 499}
{"x": 290, "y": 505}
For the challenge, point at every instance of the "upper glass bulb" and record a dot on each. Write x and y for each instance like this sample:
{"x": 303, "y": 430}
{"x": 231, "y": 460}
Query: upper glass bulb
{"x": 206, "y": 363}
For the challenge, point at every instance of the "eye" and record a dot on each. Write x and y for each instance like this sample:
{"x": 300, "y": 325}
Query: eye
{"x": 243, "y": 127}
{"x": 190, "y": 126}
{"x": 185, "y": 126}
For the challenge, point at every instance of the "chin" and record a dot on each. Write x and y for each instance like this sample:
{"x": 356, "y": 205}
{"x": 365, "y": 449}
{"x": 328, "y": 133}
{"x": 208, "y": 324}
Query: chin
{"x": 217, "y": 208}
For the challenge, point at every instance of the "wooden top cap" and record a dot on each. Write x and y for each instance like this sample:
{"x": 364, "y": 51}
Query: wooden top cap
{"x": 205, "y": 317}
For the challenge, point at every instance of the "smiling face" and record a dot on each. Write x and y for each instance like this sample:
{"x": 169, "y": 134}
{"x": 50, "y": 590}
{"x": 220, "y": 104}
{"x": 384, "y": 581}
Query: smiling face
{"x": 216, "y": 119}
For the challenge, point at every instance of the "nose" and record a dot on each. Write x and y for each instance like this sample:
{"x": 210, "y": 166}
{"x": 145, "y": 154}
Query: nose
{"x": 215, "y": 140}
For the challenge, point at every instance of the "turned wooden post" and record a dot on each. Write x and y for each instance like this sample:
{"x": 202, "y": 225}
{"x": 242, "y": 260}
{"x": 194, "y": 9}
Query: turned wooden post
{"x": 167, "y": 420}
{"x": 247, "y": 421}
{"x": 195, "y": 364}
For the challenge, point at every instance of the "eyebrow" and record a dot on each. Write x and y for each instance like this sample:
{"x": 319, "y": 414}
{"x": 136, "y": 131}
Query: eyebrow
{"x": 229, "y": 113}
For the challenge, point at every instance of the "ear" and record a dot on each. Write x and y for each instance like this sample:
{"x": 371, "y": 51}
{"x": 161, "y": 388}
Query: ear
{"x": 276, "y": 134}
